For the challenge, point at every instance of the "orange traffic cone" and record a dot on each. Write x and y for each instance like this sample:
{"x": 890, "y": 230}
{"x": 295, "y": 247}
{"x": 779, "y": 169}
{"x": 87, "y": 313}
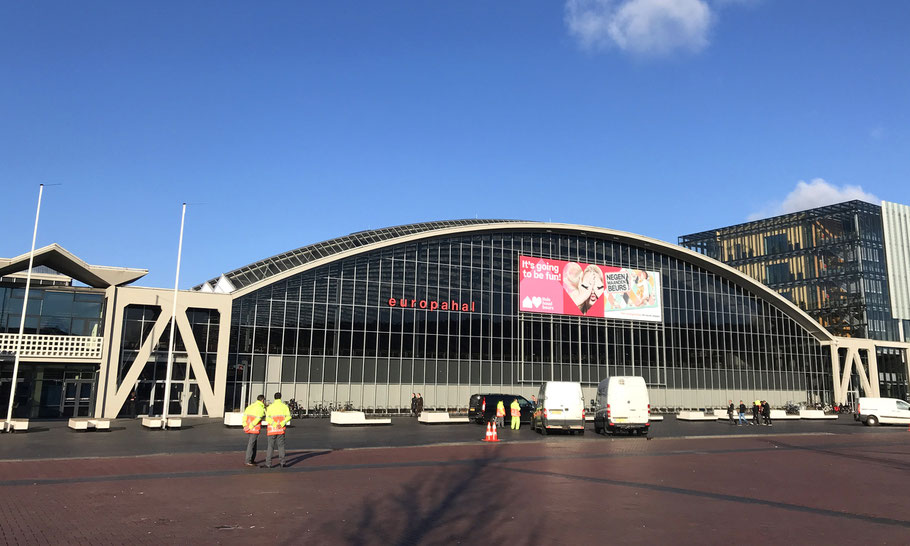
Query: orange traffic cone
{"x": 489, "y": 436}
{"x": 495, "y": 436}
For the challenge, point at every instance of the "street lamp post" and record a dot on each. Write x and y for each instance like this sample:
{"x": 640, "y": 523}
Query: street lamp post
{"x": 8, "y": 426}
{"x": 170, "y": 347}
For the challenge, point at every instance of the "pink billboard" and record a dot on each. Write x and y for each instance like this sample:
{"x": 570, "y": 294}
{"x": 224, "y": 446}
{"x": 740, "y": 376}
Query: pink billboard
{"x": 574, "y": 288}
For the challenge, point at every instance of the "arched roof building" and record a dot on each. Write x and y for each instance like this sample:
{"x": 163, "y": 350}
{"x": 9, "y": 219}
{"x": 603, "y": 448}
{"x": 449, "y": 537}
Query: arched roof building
{"x": 360, "y": 318}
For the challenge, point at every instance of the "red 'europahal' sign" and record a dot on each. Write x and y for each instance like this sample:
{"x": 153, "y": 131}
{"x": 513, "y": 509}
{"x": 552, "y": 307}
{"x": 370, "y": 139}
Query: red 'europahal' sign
{"x": 432, "y": 305}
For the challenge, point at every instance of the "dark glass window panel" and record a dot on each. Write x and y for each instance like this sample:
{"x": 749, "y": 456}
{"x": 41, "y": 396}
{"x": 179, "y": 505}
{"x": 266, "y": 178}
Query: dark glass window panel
{"x": 330, "y": 369}
{"x": 316, "y": 365}
{"x": 258, "y": 368}
{"x": 288, "y": 367}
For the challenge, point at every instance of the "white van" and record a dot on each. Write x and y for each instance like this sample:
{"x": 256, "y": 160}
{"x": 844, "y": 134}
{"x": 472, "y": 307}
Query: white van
{"x": 560, "y": 406}
{"x": 622, "y": 404}
{"x": 873, "y": 411}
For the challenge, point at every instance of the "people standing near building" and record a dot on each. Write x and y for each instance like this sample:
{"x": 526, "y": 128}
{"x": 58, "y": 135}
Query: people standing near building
{"x": 419, "y": 407}
{"x": 742, "y": 414}
{"x": 756, "y": 412}
{"x": 133, "y": 400}
{"x": 500, "y": 414}
{"x": 414, "y": 404}
{"x": 730, "y": 410}
{"x": 277, "y": 417}
{"x": 516, "y": 414}
{"x": 252, "y": 418}
{"x": 766, "y": 412}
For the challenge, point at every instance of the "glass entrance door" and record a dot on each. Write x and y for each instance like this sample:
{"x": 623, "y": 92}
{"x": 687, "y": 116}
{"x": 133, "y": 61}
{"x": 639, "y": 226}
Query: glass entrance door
{"x": 77, "y": 398}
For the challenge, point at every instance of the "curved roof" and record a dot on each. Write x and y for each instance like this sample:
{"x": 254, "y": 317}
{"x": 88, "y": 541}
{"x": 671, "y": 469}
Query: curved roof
{"x": 254, "y": 276}
{"x": 269, "y": 267}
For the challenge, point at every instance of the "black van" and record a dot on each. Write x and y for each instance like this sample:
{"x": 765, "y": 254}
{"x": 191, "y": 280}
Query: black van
{"x": 482, "y": 407}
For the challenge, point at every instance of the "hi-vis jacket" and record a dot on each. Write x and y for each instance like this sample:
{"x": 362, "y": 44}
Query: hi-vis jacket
{"x": 252, "y": 417}
{"x": 516, "y": 409}
{"x": 500, "y": 409}
{"x": 277, "y": 417}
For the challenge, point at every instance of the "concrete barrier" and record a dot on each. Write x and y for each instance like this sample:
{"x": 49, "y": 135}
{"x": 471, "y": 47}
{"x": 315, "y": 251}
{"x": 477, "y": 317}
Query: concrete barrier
{"x": 79, "y": 423}
{"x": 656, "y": 418}
{"x": 158, "y": 422}
{"x": 695, "y": 416}
{"x": 16, "y": 425}
{"x": 355, "y": 418}
{"x": 151, "y": 422}
{"x": 439, "y": 418}
{"x": 815, "y": 414}
{"x": 233, "y": 419}
{"x": 781, "y": 415}
{"x": 89, "y": 423}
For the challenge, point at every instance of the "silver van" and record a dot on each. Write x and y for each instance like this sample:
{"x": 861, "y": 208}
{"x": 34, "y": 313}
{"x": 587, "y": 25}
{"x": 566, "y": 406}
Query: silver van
{"x": 560, "y": 406}
{"x": 622, "y": 404}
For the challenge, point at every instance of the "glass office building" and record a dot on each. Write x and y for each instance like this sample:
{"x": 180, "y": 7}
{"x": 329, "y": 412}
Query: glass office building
{"x": 830, "y": 261}
{"x": 835, "y": 264}
{"x": 434, "y": 308}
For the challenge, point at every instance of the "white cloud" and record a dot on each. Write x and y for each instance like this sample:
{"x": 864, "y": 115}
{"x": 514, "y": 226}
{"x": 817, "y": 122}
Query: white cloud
{"x": 809, "y": 195}
{"x": 640, "y": 27}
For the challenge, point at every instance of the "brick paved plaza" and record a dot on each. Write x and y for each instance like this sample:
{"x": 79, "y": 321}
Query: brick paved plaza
{"x": 813, "y": 487}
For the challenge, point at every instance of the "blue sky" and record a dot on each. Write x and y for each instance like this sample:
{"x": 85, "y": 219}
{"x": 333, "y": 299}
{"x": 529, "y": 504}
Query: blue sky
{"x": 289, "y": 123}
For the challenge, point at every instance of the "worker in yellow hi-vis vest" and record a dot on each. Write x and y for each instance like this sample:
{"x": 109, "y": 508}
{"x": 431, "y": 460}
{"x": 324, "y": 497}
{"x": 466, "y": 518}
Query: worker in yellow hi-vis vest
{"x": 516, "y": 414}
{"x": 500, "y": 414}
{"x": 277, "y": 417}
{"x": 252, "y": 418}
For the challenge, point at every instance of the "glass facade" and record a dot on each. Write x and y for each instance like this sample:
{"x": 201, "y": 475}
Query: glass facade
{"x": 138, "y": 322}
{"x": 440, "y": 316}
{"x": 829, "y": 261}
{"x": 53, "y": 311}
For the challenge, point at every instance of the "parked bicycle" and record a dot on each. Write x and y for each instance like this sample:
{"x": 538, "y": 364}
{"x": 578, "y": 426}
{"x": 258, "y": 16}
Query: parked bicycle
{"x": 791, "y": 408}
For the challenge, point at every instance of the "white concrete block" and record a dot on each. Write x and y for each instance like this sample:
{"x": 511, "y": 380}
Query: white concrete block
{"x": 79, "y": 423}
{"x": 174, "y": 422}
{"x": 151, "y": 422}
{"x": 815, "y": 414}
{"x": 355, "y": 418}
{"x": 439, "y": 417}
{"x": 694, "y": 416}
{"x": 233, "y": 418}
{"x": 20, "y": 425}
{"x": 101, "y": 424}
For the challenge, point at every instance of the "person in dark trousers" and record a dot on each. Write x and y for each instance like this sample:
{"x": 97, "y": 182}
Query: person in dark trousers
{"x": 766, "y": 412}
{"x": 730, "y": 410}
{"x": 756, "y": 412}
{"x": 419, "y": 406}
{"x": 414, "y": 404}
{"x": 252, "y": 419}
{"x": 277, "y": 417}
{"x": 133, "y": 401}
{"x": 742, "y": 414}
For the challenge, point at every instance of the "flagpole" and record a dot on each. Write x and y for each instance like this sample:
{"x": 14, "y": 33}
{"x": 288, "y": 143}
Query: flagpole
{"x": 8, "y": 426}
{"x": 170, "y": 346}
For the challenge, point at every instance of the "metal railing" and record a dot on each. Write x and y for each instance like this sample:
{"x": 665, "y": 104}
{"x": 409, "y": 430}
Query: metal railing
{"x": 50, "y": 346}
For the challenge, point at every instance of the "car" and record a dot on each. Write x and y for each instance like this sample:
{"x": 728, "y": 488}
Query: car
{"x": 560, "y": 406}
{"x": 874, "y": 411}
{"x": 482, "y": 407}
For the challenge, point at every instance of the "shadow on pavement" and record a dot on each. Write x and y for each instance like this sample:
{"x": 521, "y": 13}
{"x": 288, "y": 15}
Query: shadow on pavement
{"x": 293, "y": 459}
{"x": 443, "y": 504}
